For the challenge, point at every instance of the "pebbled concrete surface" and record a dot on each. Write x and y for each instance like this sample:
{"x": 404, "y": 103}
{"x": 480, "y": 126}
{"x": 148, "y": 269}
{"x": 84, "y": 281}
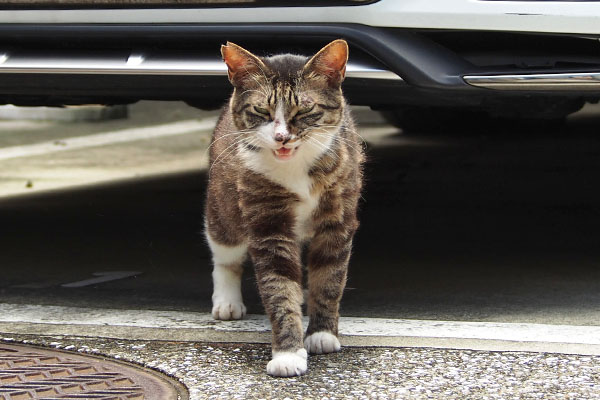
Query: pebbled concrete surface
{"x": 237, "y": 371}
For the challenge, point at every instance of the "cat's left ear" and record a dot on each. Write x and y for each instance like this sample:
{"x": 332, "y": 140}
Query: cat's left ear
{"x": 241, "y": 64}
{"x": 329, "y": 63}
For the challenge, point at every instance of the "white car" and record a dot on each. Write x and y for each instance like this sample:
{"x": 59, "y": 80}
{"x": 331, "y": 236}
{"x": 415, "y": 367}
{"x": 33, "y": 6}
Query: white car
{"x": 533, "y": 59}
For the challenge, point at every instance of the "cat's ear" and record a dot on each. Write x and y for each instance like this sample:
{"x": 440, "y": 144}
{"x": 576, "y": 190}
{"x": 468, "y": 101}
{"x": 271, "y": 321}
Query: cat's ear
{"x": 241, "y": 64}
{"x": 329, "y": 63}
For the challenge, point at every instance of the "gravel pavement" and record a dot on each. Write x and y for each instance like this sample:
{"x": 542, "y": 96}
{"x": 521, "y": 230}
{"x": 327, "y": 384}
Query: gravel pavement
{"x": 237, "y": 371}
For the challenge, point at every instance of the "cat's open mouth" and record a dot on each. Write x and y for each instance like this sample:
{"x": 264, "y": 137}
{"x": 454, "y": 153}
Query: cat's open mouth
{"x": 284, "y": 153}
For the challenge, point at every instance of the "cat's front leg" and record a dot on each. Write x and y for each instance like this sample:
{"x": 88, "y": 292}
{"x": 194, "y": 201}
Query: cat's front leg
{"x": 279, "y": 278}
{"x": 328, "y": 256}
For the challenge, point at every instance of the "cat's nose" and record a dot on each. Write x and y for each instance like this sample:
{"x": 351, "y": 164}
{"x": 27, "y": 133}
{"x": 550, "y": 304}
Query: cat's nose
{"x": 282, "y": 137}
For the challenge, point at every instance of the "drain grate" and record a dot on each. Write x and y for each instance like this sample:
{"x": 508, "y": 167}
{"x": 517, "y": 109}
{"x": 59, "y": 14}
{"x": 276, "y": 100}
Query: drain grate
{"x": 33, "y": 373}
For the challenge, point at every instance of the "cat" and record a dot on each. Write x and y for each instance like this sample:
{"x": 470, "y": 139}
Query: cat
{"x": 285, "y": 171}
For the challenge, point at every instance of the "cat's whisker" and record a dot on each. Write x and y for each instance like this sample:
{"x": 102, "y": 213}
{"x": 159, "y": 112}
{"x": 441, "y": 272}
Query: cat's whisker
{"x": 318, "y": 135}
{"x": 332, "y": 152}
{"x": 240, "y": 132}
{"x": 362, "y": 139}
{"x": 320, "y": 146}
{"x": 311, "y": 137}
{"x": 268, "y": 89}
{"x": 235, "y": 146}
{"x": 237, "y": 132}
{"x": 254, "y": 142}
{"x": 214, "y": 141}
{"x": 263, "y": 88}
{"x": 325, "y": 149}
{"x": 353, "y": 145}
{"x": 250, "y": 91}
{"x": 252, "y": 73}
{"x": 221, "y": 157}
{"x": 337, "y": 126}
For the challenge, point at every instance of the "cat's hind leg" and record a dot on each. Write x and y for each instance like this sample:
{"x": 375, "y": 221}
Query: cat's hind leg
{"x": 227, "y": 280}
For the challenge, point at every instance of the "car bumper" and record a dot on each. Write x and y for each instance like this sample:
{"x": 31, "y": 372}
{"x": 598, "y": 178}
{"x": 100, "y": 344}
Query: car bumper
{"x": 516, "y": 16}
{"x": 114, "y": 63}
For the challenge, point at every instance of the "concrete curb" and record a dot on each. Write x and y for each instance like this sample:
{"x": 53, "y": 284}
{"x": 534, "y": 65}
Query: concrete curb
{"x": 363, "y": 332}
{"x": 212, "y": 336}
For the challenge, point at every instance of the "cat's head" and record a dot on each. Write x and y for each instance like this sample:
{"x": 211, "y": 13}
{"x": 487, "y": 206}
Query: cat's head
{"x": 285, "y": 102}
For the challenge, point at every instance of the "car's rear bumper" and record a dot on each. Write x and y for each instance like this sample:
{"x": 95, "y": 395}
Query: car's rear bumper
{"x": 511, "y": 16}
{"x": 111, "y": 63}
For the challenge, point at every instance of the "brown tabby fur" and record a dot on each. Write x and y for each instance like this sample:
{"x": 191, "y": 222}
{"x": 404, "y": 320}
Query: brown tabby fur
{"x": 246, "y": 206}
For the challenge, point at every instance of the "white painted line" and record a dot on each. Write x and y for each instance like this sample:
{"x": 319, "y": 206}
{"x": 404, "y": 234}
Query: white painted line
{"x": 349, "y": 326}
{"x": 106, "y": 138}
{"x": 101, "y": 278}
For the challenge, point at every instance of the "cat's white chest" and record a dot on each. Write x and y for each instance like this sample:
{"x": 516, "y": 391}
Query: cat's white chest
{"x": 303, "y": 227}
{"x": 292, "y": 175}
{"x": 300, "y": 184}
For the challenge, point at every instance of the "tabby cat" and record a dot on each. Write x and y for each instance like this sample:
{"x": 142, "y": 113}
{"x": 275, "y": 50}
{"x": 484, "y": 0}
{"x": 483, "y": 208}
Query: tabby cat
{"x": 285, "y": 171}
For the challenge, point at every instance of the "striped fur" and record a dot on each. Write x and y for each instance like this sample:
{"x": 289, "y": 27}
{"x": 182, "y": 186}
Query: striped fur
{"x": 273, "y": 204}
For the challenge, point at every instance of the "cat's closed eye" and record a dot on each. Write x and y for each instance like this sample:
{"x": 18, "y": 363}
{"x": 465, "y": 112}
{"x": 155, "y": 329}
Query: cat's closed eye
{"x": 305, "y": 110}
{"x": 262, "y": 111}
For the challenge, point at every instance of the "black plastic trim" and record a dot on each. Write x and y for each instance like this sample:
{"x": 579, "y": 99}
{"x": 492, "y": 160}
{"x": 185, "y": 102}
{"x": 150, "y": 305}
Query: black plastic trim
{"x": 418, "y": 60}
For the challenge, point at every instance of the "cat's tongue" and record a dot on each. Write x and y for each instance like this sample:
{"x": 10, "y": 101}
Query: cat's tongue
{"x": 283, "y": 153}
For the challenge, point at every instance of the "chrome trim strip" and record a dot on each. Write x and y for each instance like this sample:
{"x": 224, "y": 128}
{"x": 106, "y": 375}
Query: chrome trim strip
{"x": 354, "y": 70}
{"x": 563, "y": 81}
{"x": 143, "y": 64}
{"x": 113, "y": 64}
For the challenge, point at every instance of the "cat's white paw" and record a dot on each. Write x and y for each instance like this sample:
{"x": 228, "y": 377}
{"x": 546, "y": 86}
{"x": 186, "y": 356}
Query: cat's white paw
{"x": 322, "y": 343}
{"x": 227, "y": 310}
{"x": 288, "y": 363}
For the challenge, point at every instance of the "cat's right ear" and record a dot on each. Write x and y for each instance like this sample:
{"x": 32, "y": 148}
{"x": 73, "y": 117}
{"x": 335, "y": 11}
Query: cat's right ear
{"x": 241, "y": 64}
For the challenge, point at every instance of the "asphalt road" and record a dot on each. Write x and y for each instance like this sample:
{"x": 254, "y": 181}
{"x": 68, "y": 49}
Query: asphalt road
{"x": 486, "y": 226}
{"x": 495, "y": 225}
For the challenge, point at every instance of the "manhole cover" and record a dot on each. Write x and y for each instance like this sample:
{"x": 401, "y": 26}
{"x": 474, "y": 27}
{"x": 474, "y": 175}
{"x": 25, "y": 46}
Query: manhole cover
{"x": 33, "y": 373}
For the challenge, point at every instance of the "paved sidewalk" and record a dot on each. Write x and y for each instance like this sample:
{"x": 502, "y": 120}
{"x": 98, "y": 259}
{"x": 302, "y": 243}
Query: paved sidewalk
{"x": 381, "y": 358}
{"x": 237, "y": 371}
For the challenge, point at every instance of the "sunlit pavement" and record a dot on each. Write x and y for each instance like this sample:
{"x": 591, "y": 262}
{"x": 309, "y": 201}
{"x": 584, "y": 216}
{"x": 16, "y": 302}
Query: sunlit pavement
{"x": 485, "y": 228}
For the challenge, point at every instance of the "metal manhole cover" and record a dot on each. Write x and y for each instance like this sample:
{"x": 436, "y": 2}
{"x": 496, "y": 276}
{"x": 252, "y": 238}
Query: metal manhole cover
{"x": 33, "y": 373}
